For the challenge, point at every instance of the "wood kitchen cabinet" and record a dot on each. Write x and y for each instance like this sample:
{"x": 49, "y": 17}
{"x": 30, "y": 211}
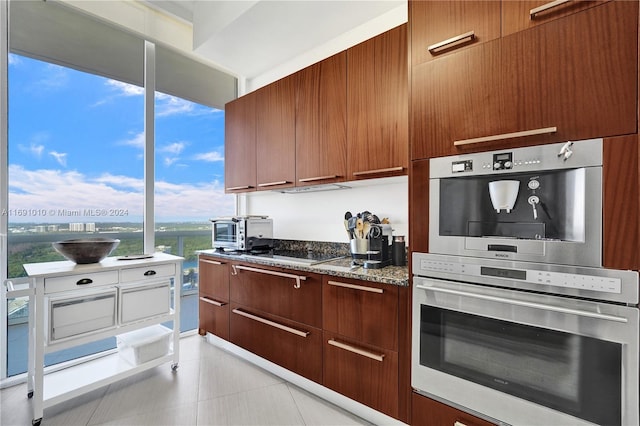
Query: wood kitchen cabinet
{"x": 277, "y": 314}
{"x": 441, "y": 23}
{"x": 240, "y": 144}
{"x": 377, "y": 106}
{"x": 572, "y": 78}
{"x": 361, "y": 358}
{"x": 276, "y": 134}
{"x": 428, "y": 412}
{"x": 213, "y": 305}
{"x": 321, "y": 122}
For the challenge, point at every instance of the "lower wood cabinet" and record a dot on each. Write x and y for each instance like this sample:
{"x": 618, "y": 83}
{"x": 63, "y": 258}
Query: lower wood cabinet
{"x": 213, "y": 317}
{"x": 362, "y": 372}
{"x": 428, "y": 412}
{"x": 294, "y": 346}
{"x": 213, "y": 304}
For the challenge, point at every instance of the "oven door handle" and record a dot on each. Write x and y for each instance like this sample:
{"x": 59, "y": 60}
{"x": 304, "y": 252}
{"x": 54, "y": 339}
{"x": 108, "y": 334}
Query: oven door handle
{"x": 525, "y": 304}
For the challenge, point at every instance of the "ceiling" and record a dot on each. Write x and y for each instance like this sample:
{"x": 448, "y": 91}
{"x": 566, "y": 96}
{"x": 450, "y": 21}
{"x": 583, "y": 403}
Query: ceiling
{"x": 253, "y": 36}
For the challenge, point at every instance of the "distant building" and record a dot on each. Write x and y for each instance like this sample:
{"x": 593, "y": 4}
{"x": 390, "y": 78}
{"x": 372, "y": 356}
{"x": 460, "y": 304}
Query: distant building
{"x": 90, "y": 227}
{"x": 52, "y": 228}
{"x": 40, "y": 228}
{"x": 76, "y": 227}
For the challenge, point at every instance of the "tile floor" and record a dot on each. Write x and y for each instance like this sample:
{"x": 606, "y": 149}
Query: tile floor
{"x": 211, "y": 387}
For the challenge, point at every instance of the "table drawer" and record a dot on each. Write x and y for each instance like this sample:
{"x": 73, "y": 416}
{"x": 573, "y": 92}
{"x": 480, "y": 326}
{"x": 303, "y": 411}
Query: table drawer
{"x": 149, "y": 272}
{"x": 80, "y": 281}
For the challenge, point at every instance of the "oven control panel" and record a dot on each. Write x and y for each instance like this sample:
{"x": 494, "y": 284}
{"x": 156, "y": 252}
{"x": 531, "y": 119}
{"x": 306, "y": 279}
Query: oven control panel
{"x": 591, "y": 283}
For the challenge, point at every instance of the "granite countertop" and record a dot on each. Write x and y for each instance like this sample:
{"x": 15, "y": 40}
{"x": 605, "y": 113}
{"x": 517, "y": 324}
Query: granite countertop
{"x": 341, "y": 267}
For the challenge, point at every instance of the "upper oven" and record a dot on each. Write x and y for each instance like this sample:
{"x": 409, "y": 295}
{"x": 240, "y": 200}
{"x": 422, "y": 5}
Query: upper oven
{"x": 538, "y": 204}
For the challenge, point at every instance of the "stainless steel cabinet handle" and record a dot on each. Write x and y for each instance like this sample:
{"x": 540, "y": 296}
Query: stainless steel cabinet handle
{"x": 271, "y": 323}
{"x": 212, "y": 301}
{"x": 459, "y": 423}
{"x": 298, "y": 278}
{"x": 373, "y": 172}
{"x": 356, "y": 287}
{"x": 213, "y": 262}
{"x": 525, "y": 304}
{"x": 533, "y": 12}
{"x": 238, "y": 188}
{"x": 282, "y": 182}
{"x": 451, "y": 42}
{"x": 522, "y": 134}
{"x": 312, "y": 179}
{"x": 377, "y": 357}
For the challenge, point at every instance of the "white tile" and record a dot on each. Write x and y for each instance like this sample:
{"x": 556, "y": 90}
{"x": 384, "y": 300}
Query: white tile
{"x": 180, "y": 415}
{"x": 271, "y": 405}
{"x": 316, "y": 411}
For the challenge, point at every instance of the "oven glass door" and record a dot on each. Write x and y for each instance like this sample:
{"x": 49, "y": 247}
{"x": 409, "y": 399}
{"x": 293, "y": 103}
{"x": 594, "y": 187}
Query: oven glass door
{"x": 575, "y": 374}
{"x": 517, "y": 356}
{"x": 224, "y": 233}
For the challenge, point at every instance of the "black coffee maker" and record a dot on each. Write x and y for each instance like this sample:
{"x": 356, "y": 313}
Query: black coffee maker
{"x": 375, "y": 249}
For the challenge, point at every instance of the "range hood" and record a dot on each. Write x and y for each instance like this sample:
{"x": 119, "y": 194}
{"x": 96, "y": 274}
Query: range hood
{"x": 313, "y": 188}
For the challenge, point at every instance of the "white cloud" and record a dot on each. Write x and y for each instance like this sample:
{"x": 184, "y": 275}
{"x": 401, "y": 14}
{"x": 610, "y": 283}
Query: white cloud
{"x": 173, "y": 148}
{"x": 60, "y": 157}
{"x": 54, "y": 191}
{"x": 125, "y": 89}
{"x": 210, "y": 157}
{"x": 14, "y": 59}
{"x": 137, "y": 141}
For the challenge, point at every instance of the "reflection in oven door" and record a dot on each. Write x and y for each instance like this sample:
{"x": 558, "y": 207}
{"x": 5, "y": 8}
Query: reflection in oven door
{"x": 525, "y": 358}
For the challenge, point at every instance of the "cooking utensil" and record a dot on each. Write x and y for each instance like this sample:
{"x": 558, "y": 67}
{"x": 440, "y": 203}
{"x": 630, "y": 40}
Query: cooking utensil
{"x": 366, "y": 227}
{"x": 359, "y": 228}
{"x": 348, "y": 216}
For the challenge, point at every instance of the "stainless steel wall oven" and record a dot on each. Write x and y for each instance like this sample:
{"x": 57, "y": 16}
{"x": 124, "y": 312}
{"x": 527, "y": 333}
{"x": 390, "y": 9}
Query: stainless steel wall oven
{"x": 514, "y": 319}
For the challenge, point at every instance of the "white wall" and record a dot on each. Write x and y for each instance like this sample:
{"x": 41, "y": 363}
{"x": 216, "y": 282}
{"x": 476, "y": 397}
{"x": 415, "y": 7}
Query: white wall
{"x": 319, "y": 216}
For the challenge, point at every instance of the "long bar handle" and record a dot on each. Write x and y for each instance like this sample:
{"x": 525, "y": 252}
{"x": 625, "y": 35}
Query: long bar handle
{"x": 356, "y": 287}
{"x": 238, "y": 188}
{"x": 525, "y": 304}
{"x": 524, "y": 133}
{"x": 373, "y": 172}
{"x": 271, "y": 323}
{"x": 533, "y": 12}
{"x": 298, "y": 278}
{"x": 313, "y": 179}
{"x": 451, "y": 42}
{"x": 213, "y": 262}
{"x": 282, "y": 182}
{"x": 377, "y": 357}
{"x": 212, "y": 301}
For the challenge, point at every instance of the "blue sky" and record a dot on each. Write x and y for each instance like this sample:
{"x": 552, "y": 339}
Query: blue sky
{"x": 76, "y": 142}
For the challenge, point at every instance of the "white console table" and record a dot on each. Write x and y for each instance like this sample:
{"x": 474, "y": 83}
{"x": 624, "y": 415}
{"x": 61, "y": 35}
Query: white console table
{"x": 74, "y": 304}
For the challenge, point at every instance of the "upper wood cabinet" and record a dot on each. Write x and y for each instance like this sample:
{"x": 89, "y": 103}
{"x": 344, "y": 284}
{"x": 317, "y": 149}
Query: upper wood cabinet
{"x": 377, "y": 106}
{"x": 321, "y": 122}
{"x": 240, "y": 144}
{"x": 276, "y": 134}
{"x": 439, "y": 28}
{"x": 523, "y": 14}
{"x": 573, "y": 78}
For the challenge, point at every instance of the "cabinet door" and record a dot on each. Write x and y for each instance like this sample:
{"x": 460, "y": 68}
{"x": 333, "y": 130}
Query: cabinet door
{"x": 456, "y": 98}
{"x": 578, "y": 74}
{"x": 377, "y": 106}
{"x": 213, "y": 317}
{"x": 321, "y": 122}
{"x": 289, "y": 294}
{"x": 294, "y": 346}
{"x": 362, "y": 372}
{"x": 364, "y": 311}
{"x": 523, "y": 14}
{"x": 427, "y": 412}
{"x": 240, "y": 144}
{"x": 453, "y": 25}
{"x": 276, "y": 134}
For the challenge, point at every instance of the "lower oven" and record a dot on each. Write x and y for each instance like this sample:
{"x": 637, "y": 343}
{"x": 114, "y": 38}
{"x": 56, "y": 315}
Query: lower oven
{"x": 490, "y": 338}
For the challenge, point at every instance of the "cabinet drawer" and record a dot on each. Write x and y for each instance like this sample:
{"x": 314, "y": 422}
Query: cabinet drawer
{"x": 426, "y": 411}
{"x": 362, "y": 372}
{"x": 292, "y": 345}
{"x": 213, "y": 317}
{"x": 80, "y": 281}
{"x": 138, "y": 302}
{"x": 294, "y": 295}
{"x": 213, "y": 278}
{"x": 361, "y": 310}
{"x": 74, "y": 315}
{"x": 148, "y": 272}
